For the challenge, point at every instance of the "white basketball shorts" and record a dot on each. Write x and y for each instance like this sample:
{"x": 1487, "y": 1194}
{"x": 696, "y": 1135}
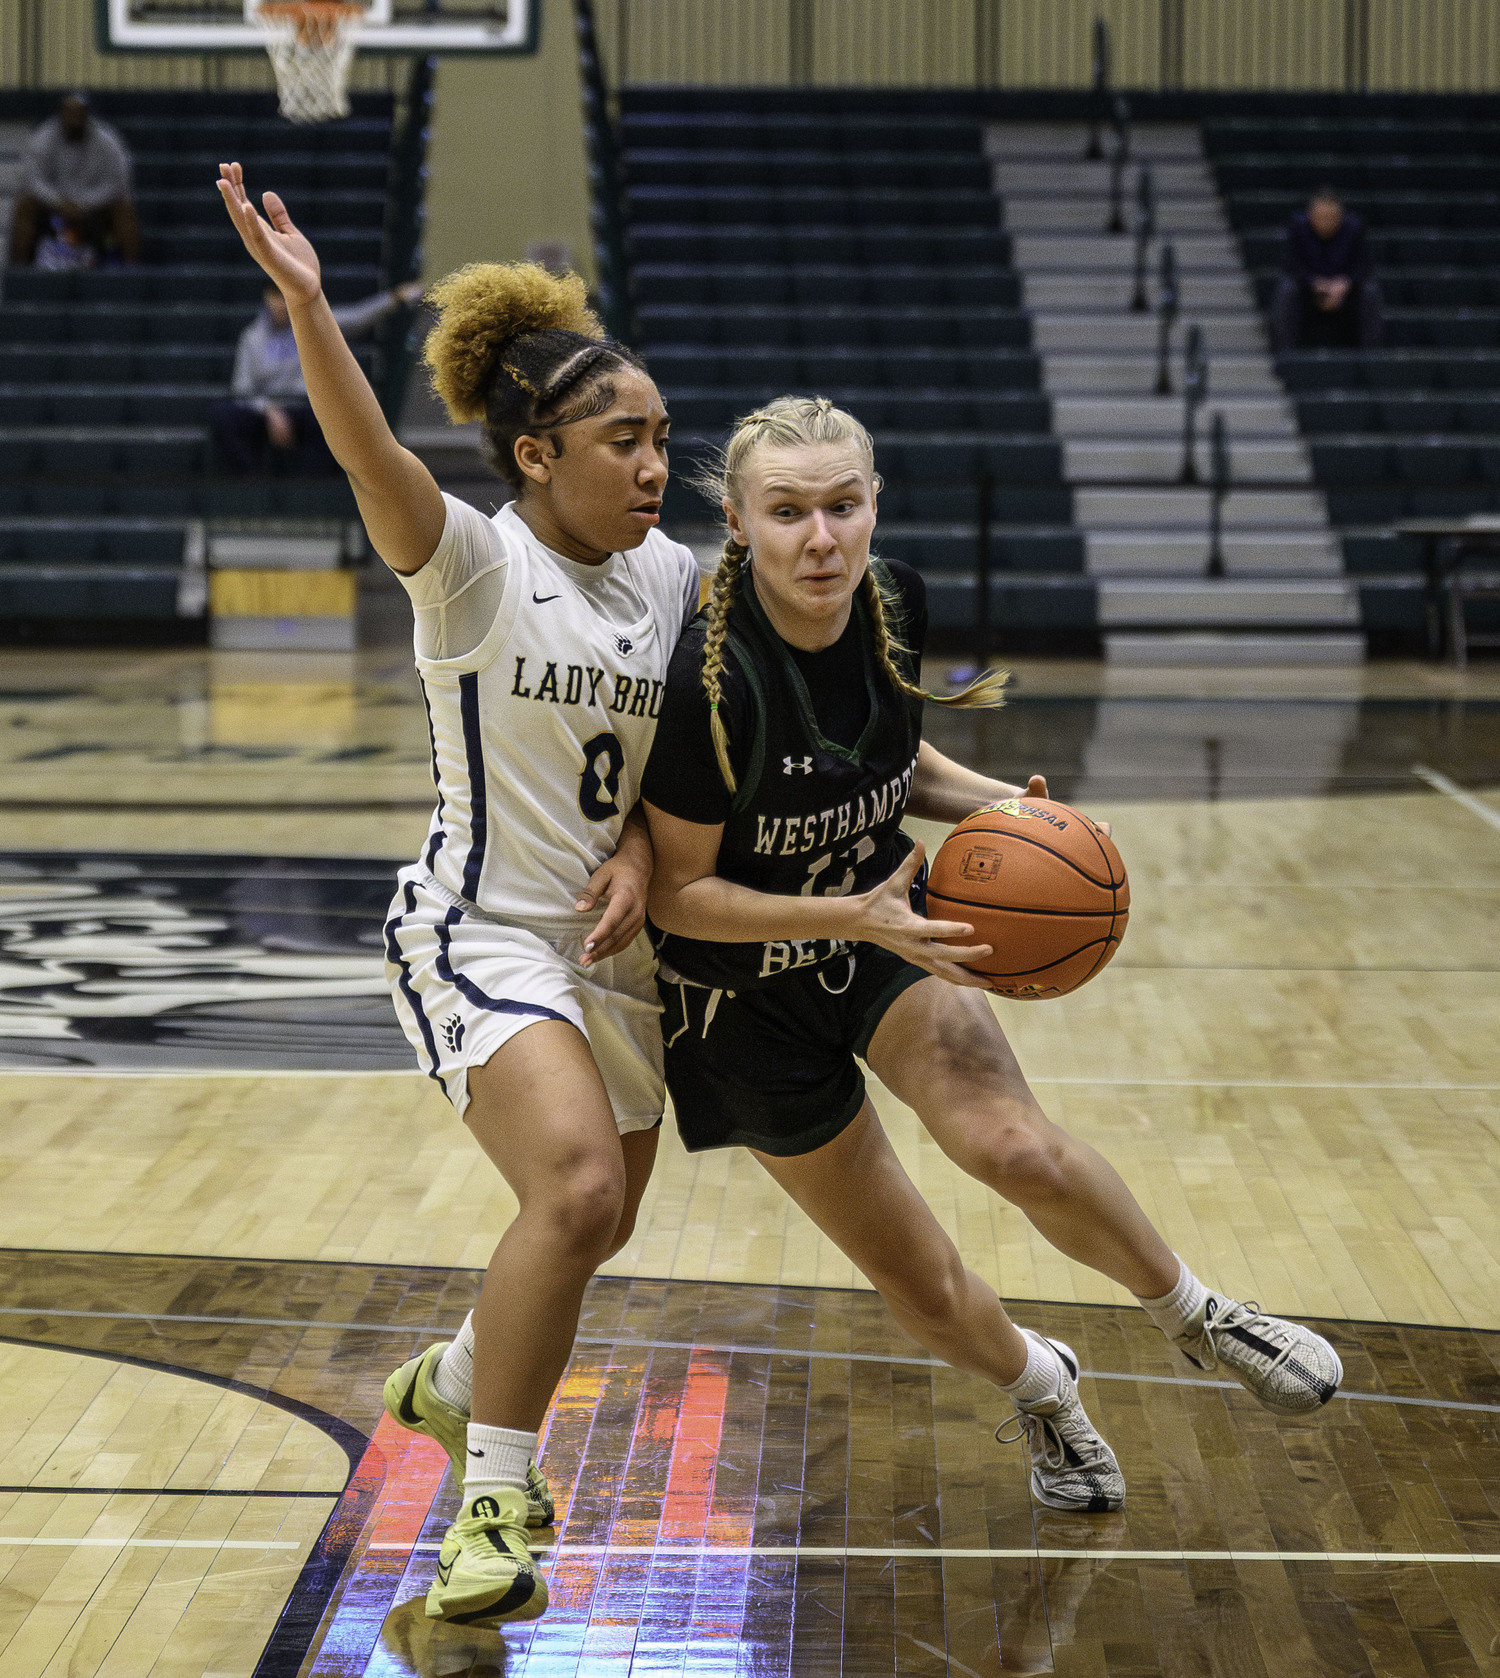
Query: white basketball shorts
{"x": 464, "y": 985}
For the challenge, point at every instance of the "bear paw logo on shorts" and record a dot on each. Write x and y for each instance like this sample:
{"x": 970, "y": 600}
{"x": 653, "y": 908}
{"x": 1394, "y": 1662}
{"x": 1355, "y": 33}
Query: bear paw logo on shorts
{"x": 624, "y": 645}
{"x": 982, "y": 863}
{"x": 453, "y": 1032}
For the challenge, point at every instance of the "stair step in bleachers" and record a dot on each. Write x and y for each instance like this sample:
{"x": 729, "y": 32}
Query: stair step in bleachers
{"x": 857, "y": 255}
{"x": 1144, "y": 533}
{"x": 1407, "y": 430}
{"x": 108, "y": 376}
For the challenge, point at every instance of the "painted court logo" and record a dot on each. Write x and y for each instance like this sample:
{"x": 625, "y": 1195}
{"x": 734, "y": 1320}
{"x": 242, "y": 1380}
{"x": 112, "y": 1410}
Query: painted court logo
{"x": 188, "y": 961}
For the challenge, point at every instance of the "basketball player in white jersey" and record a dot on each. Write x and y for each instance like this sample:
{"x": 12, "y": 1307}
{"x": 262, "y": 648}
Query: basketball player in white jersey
{"x": 542, "y": 639}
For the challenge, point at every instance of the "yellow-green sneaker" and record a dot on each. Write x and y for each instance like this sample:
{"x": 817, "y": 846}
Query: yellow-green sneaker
{"x": 412, "y": 1400}
{"x": 485, "y": 1572}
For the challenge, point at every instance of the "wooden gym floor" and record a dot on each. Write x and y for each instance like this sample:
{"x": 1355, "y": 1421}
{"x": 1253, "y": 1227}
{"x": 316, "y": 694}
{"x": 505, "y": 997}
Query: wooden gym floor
{"x": 230, "y": 1205}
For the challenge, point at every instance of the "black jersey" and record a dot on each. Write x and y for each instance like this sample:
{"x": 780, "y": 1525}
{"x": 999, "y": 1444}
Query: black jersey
{"x": 811, "y": 815}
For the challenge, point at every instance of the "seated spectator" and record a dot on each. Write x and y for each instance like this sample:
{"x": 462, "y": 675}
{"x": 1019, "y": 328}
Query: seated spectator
{"x": 74, "y": 201}
{"x": 1326, "y": 298}
{"x": 268, "y": 409}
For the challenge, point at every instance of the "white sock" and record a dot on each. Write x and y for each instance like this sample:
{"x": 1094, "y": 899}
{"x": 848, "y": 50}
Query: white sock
{"x": 498, "y": 1460}
{"x": 454, "y": 1375}
{"x": 1042, "y": 1376}
{"x": 1170, "y": 1313}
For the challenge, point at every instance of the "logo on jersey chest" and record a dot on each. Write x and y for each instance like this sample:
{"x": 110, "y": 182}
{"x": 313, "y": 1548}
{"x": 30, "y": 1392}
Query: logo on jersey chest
{"x": 796, "y": 766}
{"x": 583, "y": 685}
{"x": 790, "y": 835}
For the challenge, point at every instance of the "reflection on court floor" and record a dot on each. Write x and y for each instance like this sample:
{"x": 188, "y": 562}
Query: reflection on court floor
{"x": 774, "y": 1481}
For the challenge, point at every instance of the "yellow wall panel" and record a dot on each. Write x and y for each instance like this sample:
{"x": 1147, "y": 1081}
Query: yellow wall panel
{"x": 1420, "y": 45}
{"x": 281, "y": 594}
{"x": 1049, "y": 43}
{"x": 1437, "y": 46}
{"x": 1264, "y": 44}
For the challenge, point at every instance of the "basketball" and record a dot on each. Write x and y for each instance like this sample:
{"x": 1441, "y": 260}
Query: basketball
{"x": 1042, "y": 885}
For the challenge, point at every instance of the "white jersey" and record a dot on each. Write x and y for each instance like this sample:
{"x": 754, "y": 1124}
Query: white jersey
{"x": 540, "y": 734}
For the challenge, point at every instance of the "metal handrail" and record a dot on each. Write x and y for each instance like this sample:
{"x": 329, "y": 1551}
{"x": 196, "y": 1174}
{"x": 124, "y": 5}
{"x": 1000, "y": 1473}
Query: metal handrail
{"x": 1145, "y": 232}
{"x": 1168, "y": 300}
{"x": 1218, "y": 481}
{"x": 606, "y": 207}
{"x": 1119, "y": 156}
{"x": 405, "y": 214}
{"x": 1099, "y": 81}
{"x": 1194, "y": 393}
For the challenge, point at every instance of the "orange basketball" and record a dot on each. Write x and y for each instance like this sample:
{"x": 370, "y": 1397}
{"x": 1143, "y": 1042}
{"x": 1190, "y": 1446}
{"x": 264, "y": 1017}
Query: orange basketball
{"x": 1039, "y": 883}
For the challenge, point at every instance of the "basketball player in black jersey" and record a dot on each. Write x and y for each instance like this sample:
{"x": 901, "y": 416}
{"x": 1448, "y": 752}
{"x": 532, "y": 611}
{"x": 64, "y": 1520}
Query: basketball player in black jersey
{"x": 788, "y": 752}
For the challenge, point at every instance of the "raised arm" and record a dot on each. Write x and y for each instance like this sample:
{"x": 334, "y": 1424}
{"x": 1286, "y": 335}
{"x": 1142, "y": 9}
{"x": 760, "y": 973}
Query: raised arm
{"x": 398, "y": 498}
{"x": 689, "y": 898}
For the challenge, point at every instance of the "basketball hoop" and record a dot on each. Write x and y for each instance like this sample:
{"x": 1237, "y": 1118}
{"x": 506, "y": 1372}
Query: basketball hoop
{"x": 311, "y": 44}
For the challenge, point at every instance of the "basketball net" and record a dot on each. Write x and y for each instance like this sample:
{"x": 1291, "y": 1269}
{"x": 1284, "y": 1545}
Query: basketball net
{"x": 311, "y": 44}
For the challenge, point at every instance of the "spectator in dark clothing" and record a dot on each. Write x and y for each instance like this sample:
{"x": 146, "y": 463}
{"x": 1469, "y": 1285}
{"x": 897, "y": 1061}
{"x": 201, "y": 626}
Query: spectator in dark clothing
{"x": 1326, "y": 297}
{"x": 268, "y": 408}
{"x": 75, "y": 192}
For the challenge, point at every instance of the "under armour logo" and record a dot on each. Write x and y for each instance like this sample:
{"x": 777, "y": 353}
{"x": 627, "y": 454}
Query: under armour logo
{"x": 623, "y": 644}
{"x": 788, "y": 764}
{"x": 453, "y": 1032}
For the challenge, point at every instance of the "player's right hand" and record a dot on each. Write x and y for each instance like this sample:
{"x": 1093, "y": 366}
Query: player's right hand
{"x": 285, "y": 254}
{"x": 887, "y": 918}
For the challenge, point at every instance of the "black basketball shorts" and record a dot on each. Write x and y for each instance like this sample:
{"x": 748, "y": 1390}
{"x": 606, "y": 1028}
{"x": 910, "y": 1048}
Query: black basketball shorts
{"x": 775, "y": 1069}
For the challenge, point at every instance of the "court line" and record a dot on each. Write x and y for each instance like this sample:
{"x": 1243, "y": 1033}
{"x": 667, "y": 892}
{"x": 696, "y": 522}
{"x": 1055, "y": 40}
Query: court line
{"x": 159, "y": 1491}
{"x": 157, "y": 1543}
{"x": 1085, "y": 1083}
{"x": 1451, "y": 789}
{"x": 729, "y": 1348}
{"x": 839, "y": 1552}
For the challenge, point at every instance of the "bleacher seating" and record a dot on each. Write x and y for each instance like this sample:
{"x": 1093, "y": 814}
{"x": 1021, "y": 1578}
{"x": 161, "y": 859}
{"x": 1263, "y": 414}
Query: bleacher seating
{"x": 108, "y": 376}
{"x": 857, "y": 254}
{"x": 1409, "y": 430}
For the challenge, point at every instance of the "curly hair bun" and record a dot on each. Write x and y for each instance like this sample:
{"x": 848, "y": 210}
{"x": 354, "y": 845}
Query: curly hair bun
{"x": 485, "y": 306}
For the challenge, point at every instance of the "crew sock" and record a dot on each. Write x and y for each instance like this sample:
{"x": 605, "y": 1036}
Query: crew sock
{"x": 498, "y": 1460}
{"x": 454, "y": 1375}
{"x": 1042, "y": 1376}
{"x": 1172, "y": 1311}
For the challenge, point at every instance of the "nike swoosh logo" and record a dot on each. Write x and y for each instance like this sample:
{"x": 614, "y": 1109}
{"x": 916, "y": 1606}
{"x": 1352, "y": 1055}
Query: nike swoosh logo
{"x": 542, "y": 599}
{"x": 474, "y": 1453}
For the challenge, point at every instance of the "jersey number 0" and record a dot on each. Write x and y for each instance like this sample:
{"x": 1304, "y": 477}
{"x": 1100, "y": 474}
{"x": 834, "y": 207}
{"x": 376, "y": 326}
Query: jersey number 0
{"x": 599, "y": 785}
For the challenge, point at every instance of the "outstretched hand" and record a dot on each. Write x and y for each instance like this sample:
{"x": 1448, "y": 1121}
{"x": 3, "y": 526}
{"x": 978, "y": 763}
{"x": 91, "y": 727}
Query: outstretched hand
{"x": 888, "y": 919}
{"x": 285, "y": 254}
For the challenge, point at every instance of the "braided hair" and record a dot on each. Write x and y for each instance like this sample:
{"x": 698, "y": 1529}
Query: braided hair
{"x": 518, "y": 349}
{"x": 805, "y": 422}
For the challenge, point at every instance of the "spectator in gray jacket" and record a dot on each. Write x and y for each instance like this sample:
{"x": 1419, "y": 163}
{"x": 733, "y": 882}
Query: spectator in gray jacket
{"x": 75, "y": 188}
{"x": 268, "y": 406}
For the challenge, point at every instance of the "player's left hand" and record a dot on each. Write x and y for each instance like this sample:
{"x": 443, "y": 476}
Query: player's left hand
{"x": 1036, "y": 787}
{"x": 620, "y": 885}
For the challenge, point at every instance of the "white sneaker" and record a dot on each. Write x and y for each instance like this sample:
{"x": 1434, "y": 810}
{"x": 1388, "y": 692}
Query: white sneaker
{"x": 1071, "y": 1466}
{"x": 1287, "y": 1367}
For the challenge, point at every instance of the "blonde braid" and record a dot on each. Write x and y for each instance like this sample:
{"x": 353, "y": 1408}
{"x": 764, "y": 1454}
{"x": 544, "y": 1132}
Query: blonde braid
{"x": 984, "y": 692}
{"x": 719, "y": 602}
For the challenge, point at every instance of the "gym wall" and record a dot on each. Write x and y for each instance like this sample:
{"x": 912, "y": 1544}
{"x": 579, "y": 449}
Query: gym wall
{"x": 1436, "y": 46}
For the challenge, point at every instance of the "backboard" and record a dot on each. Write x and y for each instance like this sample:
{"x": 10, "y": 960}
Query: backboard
{"x": 404, "y": 26}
